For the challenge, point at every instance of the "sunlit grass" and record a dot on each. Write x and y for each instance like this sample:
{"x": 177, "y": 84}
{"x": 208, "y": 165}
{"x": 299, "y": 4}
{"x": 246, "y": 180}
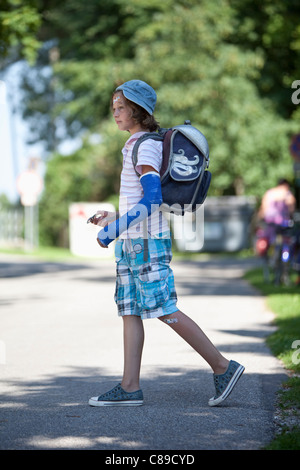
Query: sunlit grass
{"x": 49, "y": 253}
{"x": 284, "y": 302}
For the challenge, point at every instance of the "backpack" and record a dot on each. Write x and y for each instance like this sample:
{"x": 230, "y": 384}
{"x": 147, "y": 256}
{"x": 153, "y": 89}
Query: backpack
{"x": 184, "y": 176}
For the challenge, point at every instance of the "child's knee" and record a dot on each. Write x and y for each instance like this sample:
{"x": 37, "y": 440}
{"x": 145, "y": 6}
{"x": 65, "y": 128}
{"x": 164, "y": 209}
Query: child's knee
{"x": 169, "y": 319}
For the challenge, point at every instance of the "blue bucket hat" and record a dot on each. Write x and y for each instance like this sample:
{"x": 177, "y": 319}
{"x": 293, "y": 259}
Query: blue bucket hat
{"x": 140, "y": 93}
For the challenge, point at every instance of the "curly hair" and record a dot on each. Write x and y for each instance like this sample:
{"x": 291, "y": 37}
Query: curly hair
{"x": 140, "y": 115}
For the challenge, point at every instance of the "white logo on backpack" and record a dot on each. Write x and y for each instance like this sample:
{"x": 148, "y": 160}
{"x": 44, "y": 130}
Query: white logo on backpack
{"x": 182, "y": 165}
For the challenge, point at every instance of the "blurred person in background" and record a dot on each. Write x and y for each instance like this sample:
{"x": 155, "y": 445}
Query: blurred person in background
{"x": 278, "y": 204}
{"x": 275, "y": 215}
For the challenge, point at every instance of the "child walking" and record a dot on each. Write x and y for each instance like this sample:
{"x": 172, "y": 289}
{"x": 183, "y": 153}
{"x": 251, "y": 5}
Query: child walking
{"x": 144, "y": 280}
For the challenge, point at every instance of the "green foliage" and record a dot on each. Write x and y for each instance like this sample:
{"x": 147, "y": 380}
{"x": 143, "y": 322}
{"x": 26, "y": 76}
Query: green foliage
{"x": 63, "y": 182}
{"x": 288, "y": 440}
{"x": 225, "y": 65}
{"x": 201, "y": 76}
{"x": 290, "y": 395}
{"x": 289, "y": 404}
{"x": 5, "y": 204}
{"x": 87, "y": 175}
{"x": 19, "y": 24}
{"x": 273, "y": 29}
{"x": 284, "y": 301}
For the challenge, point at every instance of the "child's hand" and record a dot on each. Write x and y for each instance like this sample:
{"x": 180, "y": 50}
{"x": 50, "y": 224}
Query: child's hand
{"x": 101, "y": 244}
{"x": 102, "y": 218}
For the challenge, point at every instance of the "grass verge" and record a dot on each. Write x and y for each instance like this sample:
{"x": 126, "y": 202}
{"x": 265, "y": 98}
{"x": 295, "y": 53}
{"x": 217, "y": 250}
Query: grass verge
{"x": 48, "y": 253}
{"x": 284, "y": 302}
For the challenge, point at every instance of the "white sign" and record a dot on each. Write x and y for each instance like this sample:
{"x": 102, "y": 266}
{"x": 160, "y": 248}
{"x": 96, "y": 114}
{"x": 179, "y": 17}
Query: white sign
{"x": 83, "y": 236}
{"x": 29, "y": 185}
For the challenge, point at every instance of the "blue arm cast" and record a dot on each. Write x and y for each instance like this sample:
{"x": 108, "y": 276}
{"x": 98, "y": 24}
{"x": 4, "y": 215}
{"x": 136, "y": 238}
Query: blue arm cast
{"x": 146, "y": 206}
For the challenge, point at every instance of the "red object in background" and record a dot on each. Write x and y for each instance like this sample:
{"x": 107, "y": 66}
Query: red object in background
{"x": 262, "y": 245}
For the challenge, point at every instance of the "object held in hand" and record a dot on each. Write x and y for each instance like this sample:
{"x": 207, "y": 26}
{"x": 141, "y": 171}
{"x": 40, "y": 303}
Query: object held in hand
{"x": 102, "y": 218}
{"x": 91, "y": 219}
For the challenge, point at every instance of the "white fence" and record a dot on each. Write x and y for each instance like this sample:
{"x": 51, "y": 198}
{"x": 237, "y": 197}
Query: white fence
{"x": 11, "y": 228}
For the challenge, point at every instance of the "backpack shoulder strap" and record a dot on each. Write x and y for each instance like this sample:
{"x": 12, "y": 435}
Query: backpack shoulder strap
{"x": 148, "y": 135}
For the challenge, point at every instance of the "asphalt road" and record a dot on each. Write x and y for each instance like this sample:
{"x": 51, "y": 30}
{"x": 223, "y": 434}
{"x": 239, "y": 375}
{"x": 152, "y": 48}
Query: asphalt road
{"x": 61, "y": 343}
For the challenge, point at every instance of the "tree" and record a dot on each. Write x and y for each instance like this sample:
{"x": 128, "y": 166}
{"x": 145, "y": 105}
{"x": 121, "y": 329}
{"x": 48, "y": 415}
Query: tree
{"x": 87, "y": 175}
{"x": 272, "y": 28}
{"x": 19, "y": 25}
{"x": 77, "y": 94}
{"x": 188, "y": 54}
{"x": 215, "y": 63}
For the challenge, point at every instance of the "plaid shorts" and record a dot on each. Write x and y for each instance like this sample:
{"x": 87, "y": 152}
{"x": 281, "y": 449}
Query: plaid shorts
{"x": 144, "y": 287}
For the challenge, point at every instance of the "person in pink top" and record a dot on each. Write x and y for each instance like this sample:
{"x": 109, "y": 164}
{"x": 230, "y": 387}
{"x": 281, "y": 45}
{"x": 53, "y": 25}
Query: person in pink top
{"x": 278, "y": 204}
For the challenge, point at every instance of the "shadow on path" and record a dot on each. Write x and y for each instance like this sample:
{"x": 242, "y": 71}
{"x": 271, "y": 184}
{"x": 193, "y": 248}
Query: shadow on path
{"x": 53, "y": 413}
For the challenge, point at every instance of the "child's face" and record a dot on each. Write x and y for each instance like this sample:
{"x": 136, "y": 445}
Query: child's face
{"x": 123, "y": 115}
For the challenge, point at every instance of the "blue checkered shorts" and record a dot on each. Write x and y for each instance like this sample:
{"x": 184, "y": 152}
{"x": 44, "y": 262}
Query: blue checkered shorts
{"x": 144, "y": 288}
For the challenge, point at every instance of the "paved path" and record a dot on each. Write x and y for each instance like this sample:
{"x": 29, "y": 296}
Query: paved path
{"x": 61, "y": 342}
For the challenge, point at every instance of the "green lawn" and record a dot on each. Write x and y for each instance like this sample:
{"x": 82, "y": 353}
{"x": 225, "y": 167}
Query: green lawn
{"x": 284, "y": 344}
{"x": 44, "y": 252}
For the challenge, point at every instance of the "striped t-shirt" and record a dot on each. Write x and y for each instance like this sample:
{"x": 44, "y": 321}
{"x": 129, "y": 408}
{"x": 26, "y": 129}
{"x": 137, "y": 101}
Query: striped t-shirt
{"x": 131, "y": 191}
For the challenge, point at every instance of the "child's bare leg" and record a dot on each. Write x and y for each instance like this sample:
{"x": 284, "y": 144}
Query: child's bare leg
{"x": 133, "y": 335}
{"x": 195, "y": 337}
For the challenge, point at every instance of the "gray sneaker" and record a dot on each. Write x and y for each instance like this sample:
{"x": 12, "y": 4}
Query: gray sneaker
{"x": 118, "y": 397}
{"x": 224, "y": 383}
